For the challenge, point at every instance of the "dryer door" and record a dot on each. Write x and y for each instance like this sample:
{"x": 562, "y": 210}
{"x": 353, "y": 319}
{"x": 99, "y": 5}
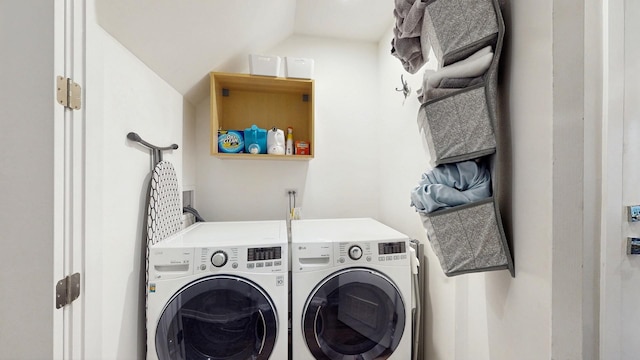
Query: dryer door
{"x": 355, "y": 313}
{"x": 218, "y": 317}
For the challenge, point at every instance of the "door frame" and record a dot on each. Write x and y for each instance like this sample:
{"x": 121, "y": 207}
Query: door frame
{"x": 611, "y": 237}
{"x": 69, "y": 177}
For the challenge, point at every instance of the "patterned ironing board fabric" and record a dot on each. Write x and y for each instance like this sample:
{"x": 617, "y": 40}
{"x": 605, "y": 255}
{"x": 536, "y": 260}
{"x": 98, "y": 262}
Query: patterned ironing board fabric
{"x": 164, "y": 215}
{"x": 164, "y": 212}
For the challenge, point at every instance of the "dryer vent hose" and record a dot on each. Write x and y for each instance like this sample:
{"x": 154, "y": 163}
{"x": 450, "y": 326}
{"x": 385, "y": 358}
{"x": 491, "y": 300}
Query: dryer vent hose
{"x": 194, "y": 212}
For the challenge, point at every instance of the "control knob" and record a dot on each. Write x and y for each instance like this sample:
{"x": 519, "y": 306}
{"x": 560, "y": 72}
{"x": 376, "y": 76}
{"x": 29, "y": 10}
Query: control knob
{"x": 355, "y": 252}
{"x": 219, "y": 258}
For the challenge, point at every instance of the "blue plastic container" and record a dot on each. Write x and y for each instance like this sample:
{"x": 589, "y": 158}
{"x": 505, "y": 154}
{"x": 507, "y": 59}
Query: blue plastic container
{"x": 255, "y": 140}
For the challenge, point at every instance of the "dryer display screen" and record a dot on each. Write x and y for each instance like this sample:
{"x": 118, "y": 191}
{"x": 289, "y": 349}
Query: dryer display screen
{"x": 392, "y": 248}
{"x": 259, "y": 254}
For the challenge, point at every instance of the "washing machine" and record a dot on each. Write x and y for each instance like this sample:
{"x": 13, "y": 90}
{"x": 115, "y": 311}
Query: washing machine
{"x": 219, "y": 290}
{"x": 351, "y": 290}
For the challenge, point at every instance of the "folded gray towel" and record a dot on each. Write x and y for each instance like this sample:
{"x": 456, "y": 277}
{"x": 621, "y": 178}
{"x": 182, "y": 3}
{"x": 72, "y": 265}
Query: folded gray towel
{"x": 473, "y": 66}
{"x": 424, "y": 96}
{"x": 451, "y": 185}
{"x": 448, "y": 83}
{"x": 409, "y": 52}
{"x": 447, "y": 86}
{"x": 409, "y": 15}
{"x": 403, "y": 6}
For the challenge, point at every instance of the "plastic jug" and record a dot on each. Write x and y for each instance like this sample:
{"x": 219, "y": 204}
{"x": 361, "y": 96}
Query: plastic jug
{"x": 255, "y": 140}
{"x": 275, "y": 141}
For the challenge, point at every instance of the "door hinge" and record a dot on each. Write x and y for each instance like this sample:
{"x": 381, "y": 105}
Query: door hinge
{"x": 69, "y": 93}
{"x": 67, "y": 290}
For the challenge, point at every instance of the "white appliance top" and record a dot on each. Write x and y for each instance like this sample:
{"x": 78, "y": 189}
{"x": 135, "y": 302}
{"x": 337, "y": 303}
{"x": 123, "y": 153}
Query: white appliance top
{"x": 228, "y": 233}
{"x": 342, "y": 230}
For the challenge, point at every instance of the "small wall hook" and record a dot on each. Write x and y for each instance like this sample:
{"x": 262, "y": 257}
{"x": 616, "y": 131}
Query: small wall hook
{"x": 406, "y": 90}
{"x": 156, "y": 151}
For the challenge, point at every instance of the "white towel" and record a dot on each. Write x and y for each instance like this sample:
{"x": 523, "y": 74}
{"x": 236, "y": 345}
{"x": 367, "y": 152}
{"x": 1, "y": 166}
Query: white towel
{"x": 473, "y": 66}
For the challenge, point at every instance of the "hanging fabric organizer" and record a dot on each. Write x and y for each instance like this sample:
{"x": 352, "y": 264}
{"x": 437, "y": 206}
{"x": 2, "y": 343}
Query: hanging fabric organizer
{"x": 459, "y": 126}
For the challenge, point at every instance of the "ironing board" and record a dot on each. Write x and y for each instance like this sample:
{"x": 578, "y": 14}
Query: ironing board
{"x": 164, "y": 213}
{"x": 164, "y": 210}
{"x": 164, "y": 204}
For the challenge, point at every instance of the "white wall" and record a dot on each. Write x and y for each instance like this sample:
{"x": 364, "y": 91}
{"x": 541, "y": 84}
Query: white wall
{"x": 489, "y": 315}
{"x": 26, "y": 179}
{"x": 629, "y": 265}
{"x": 480, "y": 316}
{"x": 341, "y": 180}
{"x": 568, "y": 175}
{"x": 123, "y": 95}
{"x": 592, "y": 185}
{"x": 399, "y": 170}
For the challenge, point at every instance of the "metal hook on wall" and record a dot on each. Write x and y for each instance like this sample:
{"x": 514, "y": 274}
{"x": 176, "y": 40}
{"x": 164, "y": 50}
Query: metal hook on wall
{"x": 156, "y": 151}
{"x": 406, "y": 90}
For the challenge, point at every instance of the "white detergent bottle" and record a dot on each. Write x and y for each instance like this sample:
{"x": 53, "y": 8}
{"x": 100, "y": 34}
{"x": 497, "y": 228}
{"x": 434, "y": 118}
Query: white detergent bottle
{"x": 289, "y": 150}
{"x": 275, "y": 141}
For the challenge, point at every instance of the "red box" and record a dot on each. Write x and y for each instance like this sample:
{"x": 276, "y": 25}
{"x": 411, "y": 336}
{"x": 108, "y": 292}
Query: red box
{"x": 302, "y": 148}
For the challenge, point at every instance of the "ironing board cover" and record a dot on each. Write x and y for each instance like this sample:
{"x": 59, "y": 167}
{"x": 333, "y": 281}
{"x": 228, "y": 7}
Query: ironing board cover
{"x": 164, "y": 212}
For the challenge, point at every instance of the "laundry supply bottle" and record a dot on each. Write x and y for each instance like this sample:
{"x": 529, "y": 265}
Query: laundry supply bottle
{"x": 289, "y": 150}
{"x": 255, "y": 140}
{"x": 275, "y": 141}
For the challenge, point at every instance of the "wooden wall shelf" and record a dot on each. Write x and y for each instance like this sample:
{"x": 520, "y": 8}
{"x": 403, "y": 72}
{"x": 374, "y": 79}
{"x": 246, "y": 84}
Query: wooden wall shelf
{"x": 241, "y": 100}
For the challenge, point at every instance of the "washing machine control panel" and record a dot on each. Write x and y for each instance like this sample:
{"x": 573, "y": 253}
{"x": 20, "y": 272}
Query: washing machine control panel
{"x": 355, "y": 252}
{"x": 371, "y": 252}
{"x": 219, "y": 258}
{"x": 241, "y": 258}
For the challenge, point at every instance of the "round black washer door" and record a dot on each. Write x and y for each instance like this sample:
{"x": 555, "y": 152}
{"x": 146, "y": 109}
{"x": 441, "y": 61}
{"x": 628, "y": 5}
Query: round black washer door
{"x": 217, "y": 318}
{"x": 356, "y": 313}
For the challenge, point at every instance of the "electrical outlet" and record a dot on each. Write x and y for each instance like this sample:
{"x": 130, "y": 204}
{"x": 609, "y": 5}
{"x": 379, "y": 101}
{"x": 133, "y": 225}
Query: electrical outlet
{"x": 633, "y": 246}
{"x": 634, "y": 213}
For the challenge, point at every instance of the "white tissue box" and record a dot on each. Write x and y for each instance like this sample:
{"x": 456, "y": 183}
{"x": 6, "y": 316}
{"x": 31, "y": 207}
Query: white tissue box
{"x": 266, "y": 65}
{"x": 300, "y": 68}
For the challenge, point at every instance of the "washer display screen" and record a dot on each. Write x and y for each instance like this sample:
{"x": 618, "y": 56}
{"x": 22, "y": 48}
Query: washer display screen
{"x": 392, "y": 248}
{"x": 270, "y": 253}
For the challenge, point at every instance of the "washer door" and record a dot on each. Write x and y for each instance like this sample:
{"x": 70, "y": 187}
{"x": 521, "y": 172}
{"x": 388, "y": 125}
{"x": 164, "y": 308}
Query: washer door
{"x": 218, "y": 318}
{"x": 355, "y": 313}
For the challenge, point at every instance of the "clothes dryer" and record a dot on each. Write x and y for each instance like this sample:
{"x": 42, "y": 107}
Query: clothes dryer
{"x": 351, "y": 290}
{"x": 219, "y": 290}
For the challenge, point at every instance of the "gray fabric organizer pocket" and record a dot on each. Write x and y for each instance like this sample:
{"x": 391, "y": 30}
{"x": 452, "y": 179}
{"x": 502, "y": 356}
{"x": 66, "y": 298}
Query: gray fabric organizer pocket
{"x": 468, "y": 238}
{"x": 457, "y": 28}
{"x": 457, "y": 127}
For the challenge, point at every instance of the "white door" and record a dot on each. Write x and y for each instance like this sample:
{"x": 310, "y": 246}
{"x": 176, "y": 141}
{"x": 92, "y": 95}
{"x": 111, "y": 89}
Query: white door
{"x": 41, "y": 178}
{"x": 69, "y": 176}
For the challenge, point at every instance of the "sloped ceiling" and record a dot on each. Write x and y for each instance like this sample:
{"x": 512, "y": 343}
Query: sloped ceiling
{"x": 183, "y": 40}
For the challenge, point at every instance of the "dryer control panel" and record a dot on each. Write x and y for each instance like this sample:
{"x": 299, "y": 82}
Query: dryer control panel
{"x": 372, "y": 252}
{"x": 251, "y": 259}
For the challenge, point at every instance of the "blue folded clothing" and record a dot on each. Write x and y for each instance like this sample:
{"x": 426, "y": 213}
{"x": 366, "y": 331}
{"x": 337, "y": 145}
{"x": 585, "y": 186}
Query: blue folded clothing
{"x": 451, "y": 185}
